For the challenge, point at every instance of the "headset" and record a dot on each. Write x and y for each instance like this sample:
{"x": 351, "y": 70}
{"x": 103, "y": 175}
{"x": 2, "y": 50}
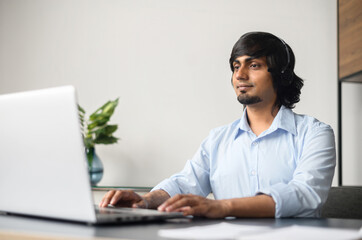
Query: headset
{"x": 286, "y": 74}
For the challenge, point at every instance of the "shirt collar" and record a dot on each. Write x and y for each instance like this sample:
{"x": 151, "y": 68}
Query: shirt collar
{"x": 283, "y": 120}
{"x": 244, "y": 125}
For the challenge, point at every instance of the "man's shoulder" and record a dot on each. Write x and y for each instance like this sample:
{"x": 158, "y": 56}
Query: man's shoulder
{"x": 306, "y": 123}
{"x": 225, "y": 130}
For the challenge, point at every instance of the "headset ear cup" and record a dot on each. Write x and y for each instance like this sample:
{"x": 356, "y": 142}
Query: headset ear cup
{"x": 286, "y": 74}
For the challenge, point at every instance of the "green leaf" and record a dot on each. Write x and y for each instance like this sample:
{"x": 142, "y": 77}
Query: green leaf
{"x": 100, "y": 117}
{"x": 107, "y": 109}
{"x": 81, "y": 109}
{"x": 98, "y": 123}
{"x": 106, "y": 130}
{"x": 103, "y": 139}
{"x": 95, "y": 129}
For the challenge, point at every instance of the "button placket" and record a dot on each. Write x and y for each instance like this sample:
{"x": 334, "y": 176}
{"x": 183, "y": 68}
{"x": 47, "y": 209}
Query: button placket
{"x": 253, "y": 165}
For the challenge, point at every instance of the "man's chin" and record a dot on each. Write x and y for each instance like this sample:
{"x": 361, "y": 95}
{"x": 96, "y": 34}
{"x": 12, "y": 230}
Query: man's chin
{"x": 248, "y": 100}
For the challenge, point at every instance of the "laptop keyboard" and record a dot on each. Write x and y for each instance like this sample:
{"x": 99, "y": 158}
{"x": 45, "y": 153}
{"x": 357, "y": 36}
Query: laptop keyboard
{"x": 135, "y": 211}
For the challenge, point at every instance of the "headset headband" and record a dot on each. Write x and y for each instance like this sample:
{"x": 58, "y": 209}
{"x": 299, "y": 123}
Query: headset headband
{"x": 288, "y": 56}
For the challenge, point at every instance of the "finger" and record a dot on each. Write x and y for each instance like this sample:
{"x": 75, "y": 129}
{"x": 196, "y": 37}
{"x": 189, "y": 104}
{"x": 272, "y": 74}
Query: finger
{"x": 205, "y": 210}
{"x": 113, "y": 197}
{"x": 183, "y": 201}
{"x": 185, "y": 210}
{"x": 125, "y": 198}
{"x": 117, "y": 196}
{"x": 194, "y": 211}
{"x": 141, "y": 204}
{"x": 188, "y": 211}
{"x": 169, "y": 202}
{"x": 107, "y": 198}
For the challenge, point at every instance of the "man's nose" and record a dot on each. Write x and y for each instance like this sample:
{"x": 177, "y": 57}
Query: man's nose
{"x": 241, "y": 74}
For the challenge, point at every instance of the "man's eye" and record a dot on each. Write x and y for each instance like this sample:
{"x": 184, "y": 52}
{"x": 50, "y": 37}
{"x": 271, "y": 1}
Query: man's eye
{"x": 236, "y": 67}
{"x": 254, "y": 65}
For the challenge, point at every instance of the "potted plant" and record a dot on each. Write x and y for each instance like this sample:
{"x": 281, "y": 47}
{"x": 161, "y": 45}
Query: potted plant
{"x": 96, "y": 130}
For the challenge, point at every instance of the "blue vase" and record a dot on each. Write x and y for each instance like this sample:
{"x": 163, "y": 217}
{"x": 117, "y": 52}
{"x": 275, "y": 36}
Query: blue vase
{"x": 95, "y": 166}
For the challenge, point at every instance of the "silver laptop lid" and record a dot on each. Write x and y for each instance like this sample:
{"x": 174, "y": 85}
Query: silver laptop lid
{"x": 43, "y": 170}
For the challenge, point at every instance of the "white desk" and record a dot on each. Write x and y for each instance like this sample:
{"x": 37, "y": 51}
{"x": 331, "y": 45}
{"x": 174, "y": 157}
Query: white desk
{"x": 27, "y": 228}
{"x": 16, "y": 227}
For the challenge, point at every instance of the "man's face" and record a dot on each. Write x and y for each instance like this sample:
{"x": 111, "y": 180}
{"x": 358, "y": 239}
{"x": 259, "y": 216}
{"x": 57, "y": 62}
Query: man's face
{"x": 252, "y": 82}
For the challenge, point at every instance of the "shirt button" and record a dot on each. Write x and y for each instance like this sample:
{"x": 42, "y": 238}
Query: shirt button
{"x": 255, "y": 143}
{"x": 253, "y": 173}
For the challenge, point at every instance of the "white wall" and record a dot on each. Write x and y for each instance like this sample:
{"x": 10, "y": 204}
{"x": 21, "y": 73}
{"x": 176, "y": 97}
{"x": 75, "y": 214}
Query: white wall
{"x": 168, "y": 63}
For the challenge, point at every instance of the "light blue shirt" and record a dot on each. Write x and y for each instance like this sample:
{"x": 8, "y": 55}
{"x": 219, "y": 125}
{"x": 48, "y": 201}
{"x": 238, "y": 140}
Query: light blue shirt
{"x": 293, "y": 161}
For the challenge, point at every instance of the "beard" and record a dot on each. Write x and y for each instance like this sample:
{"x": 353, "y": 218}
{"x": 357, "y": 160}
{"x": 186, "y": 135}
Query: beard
{"x": 248, "y": 100}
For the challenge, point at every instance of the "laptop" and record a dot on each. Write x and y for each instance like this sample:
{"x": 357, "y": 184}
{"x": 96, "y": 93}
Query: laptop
{"x": 43, "y": 167}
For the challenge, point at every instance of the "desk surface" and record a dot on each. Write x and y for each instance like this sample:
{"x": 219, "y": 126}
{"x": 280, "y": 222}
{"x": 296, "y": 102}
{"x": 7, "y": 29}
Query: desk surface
{"x": 43, "y": 227}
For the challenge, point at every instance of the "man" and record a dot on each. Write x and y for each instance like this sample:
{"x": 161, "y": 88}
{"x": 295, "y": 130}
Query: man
{"x": 270, "y": 163}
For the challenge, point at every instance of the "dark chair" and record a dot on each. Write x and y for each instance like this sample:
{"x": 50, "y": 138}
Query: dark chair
{"x": 343, "y": 202}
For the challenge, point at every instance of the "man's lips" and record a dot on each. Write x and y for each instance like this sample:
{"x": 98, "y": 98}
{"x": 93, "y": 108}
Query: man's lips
{"x": 244, "y": 87}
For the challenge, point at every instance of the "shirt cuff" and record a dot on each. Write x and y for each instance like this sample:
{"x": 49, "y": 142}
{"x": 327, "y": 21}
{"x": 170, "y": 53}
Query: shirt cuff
{"x": 293, "y": 201}
{"x": 167, "y": 186}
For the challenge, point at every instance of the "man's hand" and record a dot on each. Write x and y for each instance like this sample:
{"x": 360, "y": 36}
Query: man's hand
{"x": 123, "y": 198}
{"x": 128, "y": 198}
{"x": 195, "y": 205}
{"x": 257, "y": 206}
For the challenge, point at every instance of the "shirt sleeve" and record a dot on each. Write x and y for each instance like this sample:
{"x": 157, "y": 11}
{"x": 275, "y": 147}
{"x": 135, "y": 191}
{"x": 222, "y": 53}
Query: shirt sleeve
{"x": 306, "y": 193}
{"x": 194, "y": 178}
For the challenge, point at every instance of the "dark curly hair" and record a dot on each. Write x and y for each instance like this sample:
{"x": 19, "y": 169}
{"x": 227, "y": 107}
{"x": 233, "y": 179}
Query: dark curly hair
{"x": 259, "y": 44}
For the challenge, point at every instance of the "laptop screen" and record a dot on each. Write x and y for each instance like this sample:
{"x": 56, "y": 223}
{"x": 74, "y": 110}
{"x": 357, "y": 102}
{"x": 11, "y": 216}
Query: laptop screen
{"x": 43, "y": 168}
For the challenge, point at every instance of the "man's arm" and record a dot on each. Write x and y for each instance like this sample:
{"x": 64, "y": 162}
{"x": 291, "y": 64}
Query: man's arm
{"x": 257, "y": 206}
{"x": 194, "y": 178}
{"x": 306, "y": 193}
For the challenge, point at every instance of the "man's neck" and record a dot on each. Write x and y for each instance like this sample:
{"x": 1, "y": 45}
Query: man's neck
{"x": 260, "y": 118}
